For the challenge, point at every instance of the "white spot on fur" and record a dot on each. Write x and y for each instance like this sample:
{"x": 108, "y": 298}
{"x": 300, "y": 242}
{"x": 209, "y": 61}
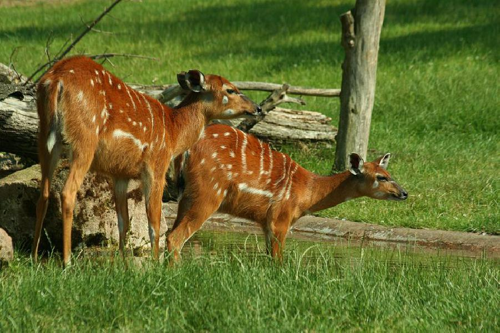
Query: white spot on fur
{"x": 216, "y": 186}
{"x": 213, "y": 169}
{"x": 231, "y": 153}
{"x": 134, "y": 123}
{"x": 227, "y": 134}
{"x": 72, "y": 71}
{"x": 375, "y": 184}
{"x": 202, "y": 161}
{"x": 222, "y": 147}
{"x": 215, "y": 135}
{"x": 228, "y": 112}
{"x": 91, "y": 82}
{"x": 229, "y": 166}
{"x": 219, "y": 191}
{"x": 96, "y": 72}
{"x": 119, "y": 86}
{"x": 97, "y": 130}
{"x": 214, "y": 155}
{"x": 225, "y": 100}
{"x": 93, "y": 119}
{"x": 80, "y": 96}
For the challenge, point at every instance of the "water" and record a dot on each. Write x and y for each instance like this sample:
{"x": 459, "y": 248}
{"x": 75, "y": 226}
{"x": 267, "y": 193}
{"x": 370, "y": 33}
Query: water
{"x": 316, "y": 247}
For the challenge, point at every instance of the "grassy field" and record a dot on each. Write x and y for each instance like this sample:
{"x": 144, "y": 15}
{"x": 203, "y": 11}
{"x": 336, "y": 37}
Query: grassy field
{"x": 320, "y": 288}
{"x": 437, "y": 101}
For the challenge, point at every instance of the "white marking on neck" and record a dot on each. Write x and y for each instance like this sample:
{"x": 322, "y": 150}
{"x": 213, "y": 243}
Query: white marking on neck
{"x": 118, "y": 133}
{"x": 245, "y": 188}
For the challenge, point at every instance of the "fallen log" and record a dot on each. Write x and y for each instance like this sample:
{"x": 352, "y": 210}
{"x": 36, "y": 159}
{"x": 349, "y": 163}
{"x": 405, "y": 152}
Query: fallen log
{"x": 19, "y": 122}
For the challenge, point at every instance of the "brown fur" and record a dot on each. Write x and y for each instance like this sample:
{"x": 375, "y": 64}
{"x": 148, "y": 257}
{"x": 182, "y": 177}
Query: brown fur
{"x": 119, "y": 132}
{"x": 276, "y": 191}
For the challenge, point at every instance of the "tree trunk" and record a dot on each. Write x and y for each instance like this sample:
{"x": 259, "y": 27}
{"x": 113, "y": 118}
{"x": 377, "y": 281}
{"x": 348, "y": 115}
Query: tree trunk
{"x": 361, "y": 29}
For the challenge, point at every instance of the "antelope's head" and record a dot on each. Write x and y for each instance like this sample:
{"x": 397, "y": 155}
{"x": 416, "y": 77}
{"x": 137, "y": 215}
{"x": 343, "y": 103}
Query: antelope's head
{"x": 221, "y": 98}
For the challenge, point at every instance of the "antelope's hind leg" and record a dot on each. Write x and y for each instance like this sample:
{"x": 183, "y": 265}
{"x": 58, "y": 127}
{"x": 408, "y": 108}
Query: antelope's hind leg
{"x": 48, "y": 163}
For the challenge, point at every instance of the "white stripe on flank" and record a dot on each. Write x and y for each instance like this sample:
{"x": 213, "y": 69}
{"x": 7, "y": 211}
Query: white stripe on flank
{"x": 243, "y": 153}
{"x": 150, "y": 111}
{"x": 245, "y": 188}
{"x": 270, "y": 172}
{"x": 261, "y": 165}
{"x": 284, "y": 170}
{"x": 290, "y": 181}
{"x": 130, "y": 96}
{"x": 236, "y": 146}
{"x": 121, "y": 134}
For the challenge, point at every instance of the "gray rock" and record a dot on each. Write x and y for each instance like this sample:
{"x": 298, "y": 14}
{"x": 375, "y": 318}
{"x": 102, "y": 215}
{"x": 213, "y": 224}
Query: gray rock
{"x": 6, "y": 249}
{"x": 95, "y": 221}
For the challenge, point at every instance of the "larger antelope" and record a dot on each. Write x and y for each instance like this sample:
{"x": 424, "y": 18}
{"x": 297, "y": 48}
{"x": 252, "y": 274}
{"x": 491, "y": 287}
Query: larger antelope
{"x": 235, "y": 173}
{"x": 119, "y": 132}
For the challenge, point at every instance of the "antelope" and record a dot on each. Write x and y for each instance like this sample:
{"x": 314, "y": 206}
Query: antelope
{"x": 235, "y": 173}
{"x": 117, "y": 131}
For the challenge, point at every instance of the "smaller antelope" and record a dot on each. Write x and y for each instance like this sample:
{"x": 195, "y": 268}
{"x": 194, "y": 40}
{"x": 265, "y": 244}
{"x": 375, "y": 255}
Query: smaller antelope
{"x": 121, "y": 133}
{"x": 235, "y": 173}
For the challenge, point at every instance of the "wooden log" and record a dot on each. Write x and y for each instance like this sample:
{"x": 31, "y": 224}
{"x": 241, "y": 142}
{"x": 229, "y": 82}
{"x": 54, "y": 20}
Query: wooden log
{"x": 19, "y": 124}
{"x": 361, "y": 29}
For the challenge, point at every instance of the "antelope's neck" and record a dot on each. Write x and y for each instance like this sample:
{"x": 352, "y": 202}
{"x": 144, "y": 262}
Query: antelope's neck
{"x": 329, "y": 191}
{"x": 188, "y": 123}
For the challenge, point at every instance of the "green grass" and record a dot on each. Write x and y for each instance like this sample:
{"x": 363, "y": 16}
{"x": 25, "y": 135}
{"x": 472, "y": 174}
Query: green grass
{"x": 226, "y": 288}
{"x": 437, "y": 97}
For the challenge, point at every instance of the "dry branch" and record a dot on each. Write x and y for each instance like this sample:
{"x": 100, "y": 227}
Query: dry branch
{"x": 66, "y": 51}
{"x": 294, "y": 90}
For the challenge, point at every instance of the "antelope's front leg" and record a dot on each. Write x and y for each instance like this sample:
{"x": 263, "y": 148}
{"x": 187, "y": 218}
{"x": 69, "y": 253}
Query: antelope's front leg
{"x": 153, "y": 192}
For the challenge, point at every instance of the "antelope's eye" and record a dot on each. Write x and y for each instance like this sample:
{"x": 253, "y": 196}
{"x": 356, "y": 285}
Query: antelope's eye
{"x": 231, "y": 91}
{"x": 381, "y": 178}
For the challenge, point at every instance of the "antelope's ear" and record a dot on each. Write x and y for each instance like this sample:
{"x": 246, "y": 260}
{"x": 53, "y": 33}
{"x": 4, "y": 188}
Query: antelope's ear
{"x": 383, "y": 161}
{"x": 193, "y": 80}
{"x": 356, "y": 164}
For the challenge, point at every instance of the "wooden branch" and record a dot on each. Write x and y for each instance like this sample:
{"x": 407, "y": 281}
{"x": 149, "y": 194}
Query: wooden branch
{"x": 127, "y": 55}
{"x": 70, "y": 47}
{"x": 294, "y": 90}
{"x": 276, "y": 98}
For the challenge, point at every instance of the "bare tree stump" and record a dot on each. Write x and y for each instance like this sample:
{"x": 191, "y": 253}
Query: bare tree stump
{"x": 361, "y": 29}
